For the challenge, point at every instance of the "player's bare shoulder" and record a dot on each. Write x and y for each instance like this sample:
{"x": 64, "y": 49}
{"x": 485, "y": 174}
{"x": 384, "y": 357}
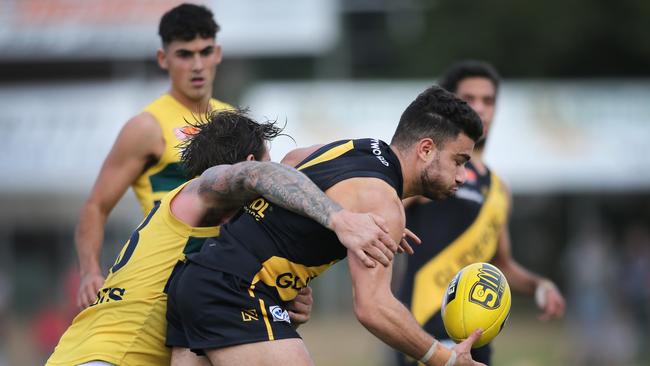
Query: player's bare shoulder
{"x": 367, "y": 190}
{"x": 139, "y": 143}
{"x": 142, "y": 135}
{"x": 369, "y": 194}
{"x": 295, "y": 156}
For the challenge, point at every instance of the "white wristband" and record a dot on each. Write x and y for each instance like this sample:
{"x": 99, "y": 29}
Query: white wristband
{"x": 430, "y": 352}
{"x": 452, "y": 359}
{"x": 540, "y": 292}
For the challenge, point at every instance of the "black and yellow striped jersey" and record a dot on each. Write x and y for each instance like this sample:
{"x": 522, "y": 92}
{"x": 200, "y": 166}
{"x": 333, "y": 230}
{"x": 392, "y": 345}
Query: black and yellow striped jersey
{"x": 282, "y": 249}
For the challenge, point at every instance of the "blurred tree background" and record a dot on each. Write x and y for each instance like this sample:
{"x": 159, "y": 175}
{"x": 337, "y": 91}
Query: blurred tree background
{"x": 525, "y": 39}
{"x": 390, "y": 39}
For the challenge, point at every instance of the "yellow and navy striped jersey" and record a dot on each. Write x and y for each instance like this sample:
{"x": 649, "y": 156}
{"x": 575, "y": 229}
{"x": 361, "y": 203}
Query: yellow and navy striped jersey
{"x": 167, "y": 174}
{"x": 282, "y": 249}
{"x": 455, "y": 232}
{"x": 126, "y": 325}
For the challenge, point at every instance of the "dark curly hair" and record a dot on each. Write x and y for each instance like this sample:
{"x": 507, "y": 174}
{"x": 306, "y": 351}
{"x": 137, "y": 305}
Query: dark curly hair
{"x": 225, "y": 137}
{"x": 468, "y": 69}
{"x": 439, "y": 115}
{"x": 186, "y": 22}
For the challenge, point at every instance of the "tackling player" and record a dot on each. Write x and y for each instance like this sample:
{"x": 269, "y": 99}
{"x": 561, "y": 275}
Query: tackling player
{"x": 126, "y": 323}
{"x": 230, "y": 299}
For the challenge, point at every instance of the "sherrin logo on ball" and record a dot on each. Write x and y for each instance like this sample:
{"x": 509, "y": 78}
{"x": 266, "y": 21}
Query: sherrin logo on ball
{"x": 477, "y": 297}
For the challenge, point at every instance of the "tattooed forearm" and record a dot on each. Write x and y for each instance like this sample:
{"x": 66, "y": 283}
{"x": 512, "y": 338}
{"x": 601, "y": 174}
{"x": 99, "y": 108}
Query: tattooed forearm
{"x": 235, "y": 185}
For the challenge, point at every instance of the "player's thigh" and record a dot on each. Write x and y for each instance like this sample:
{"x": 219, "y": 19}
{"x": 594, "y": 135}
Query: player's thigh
{"x": 290, "y": 351}
{"x": 185, "y": 357}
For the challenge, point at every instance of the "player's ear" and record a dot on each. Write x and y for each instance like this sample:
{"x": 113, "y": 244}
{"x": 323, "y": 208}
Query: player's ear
{"x": 250, "y": 157}
{"x": 161, "y": 57}
{"x": 425, "y": 148}
{"x": 218, "y": 53}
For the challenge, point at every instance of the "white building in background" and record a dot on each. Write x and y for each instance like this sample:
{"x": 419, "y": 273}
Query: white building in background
{"x": 547, "y": 136}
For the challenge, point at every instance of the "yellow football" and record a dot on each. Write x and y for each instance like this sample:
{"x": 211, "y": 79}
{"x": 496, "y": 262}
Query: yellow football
{"x": 477, "y": 297}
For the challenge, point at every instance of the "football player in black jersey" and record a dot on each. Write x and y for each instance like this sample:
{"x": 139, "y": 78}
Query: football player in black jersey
{"x": 471, "y": 226}
{"x": 229, "y": 300}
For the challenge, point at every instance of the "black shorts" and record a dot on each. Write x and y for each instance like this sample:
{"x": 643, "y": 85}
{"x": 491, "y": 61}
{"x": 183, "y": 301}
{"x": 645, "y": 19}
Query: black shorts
{"x": 209, "y": 309}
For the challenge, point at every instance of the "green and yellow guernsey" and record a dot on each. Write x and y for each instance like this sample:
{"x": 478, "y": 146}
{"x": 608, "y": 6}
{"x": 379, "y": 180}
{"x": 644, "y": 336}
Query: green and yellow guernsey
{"x": 167, "y": 174}
{"x": 126, "y": 324}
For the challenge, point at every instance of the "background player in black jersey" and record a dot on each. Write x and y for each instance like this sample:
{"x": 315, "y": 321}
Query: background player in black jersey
{"x": 228, "y": 300}
{"x": 470, "y": 227}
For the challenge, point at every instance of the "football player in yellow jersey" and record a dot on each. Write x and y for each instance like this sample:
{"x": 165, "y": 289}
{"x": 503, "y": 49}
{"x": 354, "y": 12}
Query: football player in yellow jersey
{"x": 144, "y": 154}
{"x": 470, "y": 227}
{"x": 126, "y": 323}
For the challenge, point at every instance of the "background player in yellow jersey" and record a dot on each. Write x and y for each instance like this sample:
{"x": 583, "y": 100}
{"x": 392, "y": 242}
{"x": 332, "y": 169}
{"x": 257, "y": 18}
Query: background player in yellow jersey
{"x": 126, "y": 323}
{"x": 471, "y": 226}
{"x": 144, "y": 154}
{"x": 229, "y": 300}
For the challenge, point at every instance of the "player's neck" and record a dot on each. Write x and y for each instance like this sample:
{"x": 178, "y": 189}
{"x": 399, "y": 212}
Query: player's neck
{"x": 196, "y": 106}
{"x": 409, "y": 186}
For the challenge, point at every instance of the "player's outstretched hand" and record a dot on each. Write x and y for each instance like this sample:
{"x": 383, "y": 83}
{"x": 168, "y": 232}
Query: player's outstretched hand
{"x": 88, "y": 288}
{"x": 300, "y": 307}
{"x": 549, "y": 300}
{"x": 462, "y": 349}
{"x": 366, "y": 235}
{"x": 404, "y": 245}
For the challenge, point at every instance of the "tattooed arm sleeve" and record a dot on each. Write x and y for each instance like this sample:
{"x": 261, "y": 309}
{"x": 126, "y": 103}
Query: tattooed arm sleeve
{"x": 226, "y": 187}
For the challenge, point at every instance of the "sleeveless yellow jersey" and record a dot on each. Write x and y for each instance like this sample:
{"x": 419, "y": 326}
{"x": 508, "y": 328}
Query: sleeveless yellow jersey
{"x": 167, "y": 174}
{"x": 126, "y": 325}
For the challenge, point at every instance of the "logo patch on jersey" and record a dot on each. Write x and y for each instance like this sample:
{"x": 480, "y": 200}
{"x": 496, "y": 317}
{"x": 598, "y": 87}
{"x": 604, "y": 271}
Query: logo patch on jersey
{"x": 374, "y": 145}
{"x": 279, "y": 314}
{"x": 286, "y": 276}
{"x": 183, "y": 133}
{"x": 248, "y": 315}
{"x": 109, "y": 294}
{"x": 257, "y": 208}
{"x": 294, "y": 281}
